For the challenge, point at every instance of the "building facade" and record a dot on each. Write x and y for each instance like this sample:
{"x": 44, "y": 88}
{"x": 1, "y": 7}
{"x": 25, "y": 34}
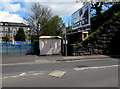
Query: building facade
{"x": 9, "y": 30}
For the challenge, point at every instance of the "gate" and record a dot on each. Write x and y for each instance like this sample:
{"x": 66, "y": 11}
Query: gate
{"x": 20, "y": 48}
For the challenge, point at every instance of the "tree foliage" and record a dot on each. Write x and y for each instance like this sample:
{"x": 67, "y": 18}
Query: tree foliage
{"x": 98, "y": 7}
{"x": 42, "y": 22}
{"x": 20, "y": 36}
{"x": 53, "y": 27}
{"x": 38, "y": 17}
{"x": 97, "y": 21}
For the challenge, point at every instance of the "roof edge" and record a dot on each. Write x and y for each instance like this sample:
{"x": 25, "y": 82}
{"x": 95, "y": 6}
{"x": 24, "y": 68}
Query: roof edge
{"x": 50, "y": 37}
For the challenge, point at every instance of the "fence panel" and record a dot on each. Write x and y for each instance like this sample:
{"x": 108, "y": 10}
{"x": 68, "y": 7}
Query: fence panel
{"x": 22, "y": 48}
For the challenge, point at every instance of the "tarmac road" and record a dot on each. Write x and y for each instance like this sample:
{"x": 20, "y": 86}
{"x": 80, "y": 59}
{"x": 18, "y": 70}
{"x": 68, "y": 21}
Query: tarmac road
{"x": 81, "y": 73}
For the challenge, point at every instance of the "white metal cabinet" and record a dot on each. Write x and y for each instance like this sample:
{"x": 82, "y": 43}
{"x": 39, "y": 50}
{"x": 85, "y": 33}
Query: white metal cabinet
{"x": 49, "y": 46}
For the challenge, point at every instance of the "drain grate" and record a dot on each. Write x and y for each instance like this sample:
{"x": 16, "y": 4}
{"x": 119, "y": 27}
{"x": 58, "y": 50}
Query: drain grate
{"x": 81, "y": 66}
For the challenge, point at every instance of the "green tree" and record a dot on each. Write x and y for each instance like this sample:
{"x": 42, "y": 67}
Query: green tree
{"x": 53, "y": 27}
{"x": 20, "y": 36}
{"x": 98, "y": 7}
{"x": 38, "y": 15}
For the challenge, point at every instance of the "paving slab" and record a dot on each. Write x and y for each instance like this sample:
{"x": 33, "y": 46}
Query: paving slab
{"x": 57, "y": 73}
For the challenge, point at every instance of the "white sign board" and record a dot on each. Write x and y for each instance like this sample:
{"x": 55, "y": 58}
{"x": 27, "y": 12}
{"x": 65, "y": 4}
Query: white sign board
{"x": 81, "y": 18}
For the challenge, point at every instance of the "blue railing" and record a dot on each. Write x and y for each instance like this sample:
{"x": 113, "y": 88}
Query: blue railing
{"x": 17, "y": 48}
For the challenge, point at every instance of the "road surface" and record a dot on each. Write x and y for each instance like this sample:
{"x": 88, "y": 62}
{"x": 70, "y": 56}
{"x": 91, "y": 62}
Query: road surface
{"x": 81, "y": 73}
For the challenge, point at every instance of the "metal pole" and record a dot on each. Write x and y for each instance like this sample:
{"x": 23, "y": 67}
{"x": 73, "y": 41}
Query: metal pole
{"x": 65, "y": 40}
{"x": 65, "y": 46}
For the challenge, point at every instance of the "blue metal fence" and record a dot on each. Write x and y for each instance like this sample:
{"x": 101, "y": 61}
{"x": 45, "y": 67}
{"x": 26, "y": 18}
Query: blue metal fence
{"x": 19, "y": 48}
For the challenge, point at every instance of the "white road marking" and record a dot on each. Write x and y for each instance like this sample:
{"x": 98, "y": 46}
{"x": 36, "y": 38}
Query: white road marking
{"x": 34, "y": 73}
{"x": 99, "y": 67}
{"x": 22, "y": 74}
{"x": 57, "y": 73}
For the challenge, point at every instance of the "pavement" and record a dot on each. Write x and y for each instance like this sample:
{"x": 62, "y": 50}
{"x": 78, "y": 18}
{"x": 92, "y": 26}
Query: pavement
{"x": 21, "y": 58}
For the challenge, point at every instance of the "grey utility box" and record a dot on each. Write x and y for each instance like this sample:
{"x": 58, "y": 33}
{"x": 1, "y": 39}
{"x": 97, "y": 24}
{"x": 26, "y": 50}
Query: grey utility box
{"x": 50, "y": 45}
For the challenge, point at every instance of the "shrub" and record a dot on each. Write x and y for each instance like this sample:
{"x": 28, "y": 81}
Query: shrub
{"x": 20, "y": 36}
{"x": 36, "y": 47}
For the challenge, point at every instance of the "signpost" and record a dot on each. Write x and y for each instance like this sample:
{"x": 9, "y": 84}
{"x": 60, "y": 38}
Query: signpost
{"x": 80, "y": 23}
{"x": 65, "y": 40}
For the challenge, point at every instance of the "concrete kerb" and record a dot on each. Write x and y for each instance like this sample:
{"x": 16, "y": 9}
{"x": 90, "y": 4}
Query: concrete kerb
{"x": 72, "y": 58}
{"x": 49, "y": 59}
{"x": 69, "y": 58}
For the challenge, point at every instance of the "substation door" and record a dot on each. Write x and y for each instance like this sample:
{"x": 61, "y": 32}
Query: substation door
{"x": 45, "y": 47}
{"x": 50, "y": 46}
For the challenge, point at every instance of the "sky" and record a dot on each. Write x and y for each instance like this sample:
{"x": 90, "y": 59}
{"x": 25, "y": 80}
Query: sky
{"x": 15, "y": 10}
